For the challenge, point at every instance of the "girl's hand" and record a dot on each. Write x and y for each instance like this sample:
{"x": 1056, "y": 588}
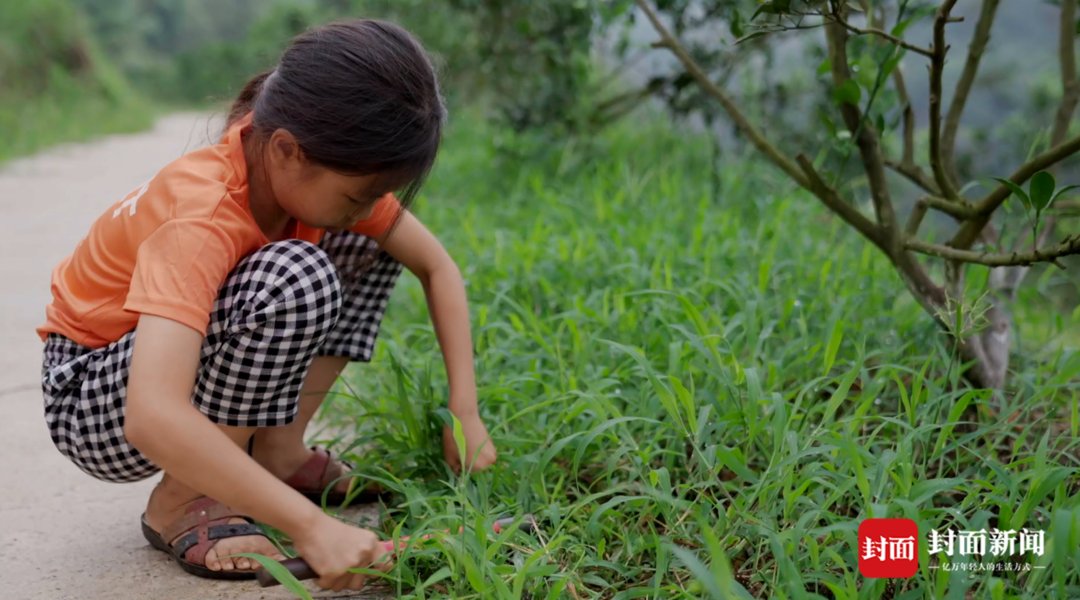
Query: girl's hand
{"x": 332, "y": 547}
{"x": 414, "y": 246}
{"x": 479, "y": 449}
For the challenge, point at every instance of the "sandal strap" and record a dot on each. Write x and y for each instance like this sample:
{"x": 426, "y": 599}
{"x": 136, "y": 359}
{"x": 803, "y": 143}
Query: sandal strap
{"x": 199, "y": 513}
{"x": 311, "y": 474}
{"x": 194, "y": 545}
{"x": 314, "y": 474}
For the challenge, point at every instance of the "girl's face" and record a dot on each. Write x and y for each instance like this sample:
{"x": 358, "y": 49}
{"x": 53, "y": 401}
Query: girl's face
{"x": 315, "y": 195}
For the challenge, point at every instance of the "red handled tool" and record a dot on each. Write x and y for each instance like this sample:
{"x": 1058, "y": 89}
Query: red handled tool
{"x": 301, "y": 570}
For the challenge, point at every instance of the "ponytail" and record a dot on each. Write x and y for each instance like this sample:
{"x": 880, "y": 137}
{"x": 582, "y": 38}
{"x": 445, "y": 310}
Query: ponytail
{"x": 246, "y": 100}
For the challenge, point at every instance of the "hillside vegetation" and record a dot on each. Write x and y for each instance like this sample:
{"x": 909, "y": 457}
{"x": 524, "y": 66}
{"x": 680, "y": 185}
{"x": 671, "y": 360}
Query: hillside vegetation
{"x": 55, "y": 84}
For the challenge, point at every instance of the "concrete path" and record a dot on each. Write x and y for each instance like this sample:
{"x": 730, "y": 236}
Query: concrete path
{"x": 64, "y": 534}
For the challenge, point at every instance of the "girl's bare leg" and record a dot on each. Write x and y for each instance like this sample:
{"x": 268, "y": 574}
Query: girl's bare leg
{"x": 281, "y": 449}
{"x": 166, "y": 506}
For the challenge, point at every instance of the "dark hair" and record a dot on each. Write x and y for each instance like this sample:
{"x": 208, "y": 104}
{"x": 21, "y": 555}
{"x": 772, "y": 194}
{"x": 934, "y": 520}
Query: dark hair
{"x": 361, "y": 97}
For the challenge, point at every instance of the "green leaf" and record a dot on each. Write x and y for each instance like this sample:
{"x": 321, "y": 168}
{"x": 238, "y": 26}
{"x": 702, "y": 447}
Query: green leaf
{"x": 765, "y": 8}
{"x": 840, "y": 393}
{"x": 1016, "y": 190}
{"x": 833, "y": 345}
{"x": 459, "y": 441}
{"x": 893, "y": 62}
{"x": 698, "y": 569}
{"x": 280, "y": 573}
{"x": 953, "y": 419}
{"x": 827, "y": 121}
{"x": 734, "y": 460}
{"x": 750, "y": 36}
{"x": 1046, "y": 482}
{"x": 901, "y": 27}
{"x": 736, "y": 25}
{"x": 1042, "y": 189}
{"x": 437, "y": 576}
{"x": 1062, "y": 191}
{"x": 1060, "y": 524}
{"x": 997, "y": 589}
{"x": 773, "y": 7}
{"x": 721, "y": 567}
{"x": 848, "y": 92}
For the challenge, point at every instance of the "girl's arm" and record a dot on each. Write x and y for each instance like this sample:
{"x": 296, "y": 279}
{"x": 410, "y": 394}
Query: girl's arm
{"x": 163, "y": 424}
{"x": 418, "y": 250}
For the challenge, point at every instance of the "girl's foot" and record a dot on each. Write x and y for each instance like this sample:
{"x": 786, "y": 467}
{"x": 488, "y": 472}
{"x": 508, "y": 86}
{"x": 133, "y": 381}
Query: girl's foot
{"x": 167, "y": 506}
{"x": 311, "y": 471}
{"x": 297, "y": 463}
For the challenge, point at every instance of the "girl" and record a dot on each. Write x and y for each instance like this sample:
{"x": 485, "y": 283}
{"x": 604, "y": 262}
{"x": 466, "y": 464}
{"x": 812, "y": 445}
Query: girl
{"x": 211, "y": 309}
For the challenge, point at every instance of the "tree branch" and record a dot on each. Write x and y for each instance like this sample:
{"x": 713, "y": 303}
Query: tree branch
{"x": 1066, "y": 208}
{"x": 879, "y": 33}
{"x": 915, "y": 174}
{"x": 937, "y": 66}
{"x": 834, "y": 202}
{"x": 969, "y": 232}
{"x": 615, "y": 107}
{"x": 915, "y": 219}
{"x": 1071, "y": 245}
{"x": 963, "y": 87}
{"x": 1067, "y": 58}
{"x": 865, "y": 137}
{"x": 756, "y": 136}
{"x": 906, "y": 166}
{"x": 954, "y": 210}
{"x": 909, "y": 117}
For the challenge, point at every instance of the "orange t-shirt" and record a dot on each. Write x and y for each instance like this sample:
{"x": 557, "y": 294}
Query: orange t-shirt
{"x": 167, "y": 247}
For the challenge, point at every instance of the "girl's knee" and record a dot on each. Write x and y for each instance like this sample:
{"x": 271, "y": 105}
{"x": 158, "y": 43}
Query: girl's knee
{"x": 296, "y": 274}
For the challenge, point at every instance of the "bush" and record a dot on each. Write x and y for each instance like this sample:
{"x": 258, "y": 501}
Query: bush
{"x": 57, "y": 84}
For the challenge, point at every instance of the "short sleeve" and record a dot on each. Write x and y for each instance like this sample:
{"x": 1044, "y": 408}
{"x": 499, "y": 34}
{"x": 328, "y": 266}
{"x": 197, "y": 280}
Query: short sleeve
{"x": 382, "y": 218}
{"x": 179, "y": 270}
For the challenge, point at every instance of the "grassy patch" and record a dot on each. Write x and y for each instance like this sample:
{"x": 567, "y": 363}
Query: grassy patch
{"x": 58, "y": 86}
{"x": 698, "y": 391}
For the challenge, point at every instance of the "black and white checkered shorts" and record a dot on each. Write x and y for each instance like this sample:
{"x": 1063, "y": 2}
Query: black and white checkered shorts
{"x": 279, "y": 308}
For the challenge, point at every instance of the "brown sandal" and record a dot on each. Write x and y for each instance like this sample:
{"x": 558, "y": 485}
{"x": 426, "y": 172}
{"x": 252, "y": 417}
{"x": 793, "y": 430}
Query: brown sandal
{"x": 316, "y": 475}
{"x": 205, "y": 521}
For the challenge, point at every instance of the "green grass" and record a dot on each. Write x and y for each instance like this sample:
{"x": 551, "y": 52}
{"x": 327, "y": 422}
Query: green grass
{"x": 57, "y": 85}
{"x": 697, "y": 394}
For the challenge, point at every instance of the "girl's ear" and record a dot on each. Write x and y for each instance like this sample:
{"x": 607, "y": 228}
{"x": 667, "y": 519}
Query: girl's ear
{"x": 284, "y": 150}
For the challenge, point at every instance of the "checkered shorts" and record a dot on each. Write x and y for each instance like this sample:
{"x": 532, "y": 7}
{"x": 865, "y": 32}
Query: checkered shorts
{"x": 279, "y": 308}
